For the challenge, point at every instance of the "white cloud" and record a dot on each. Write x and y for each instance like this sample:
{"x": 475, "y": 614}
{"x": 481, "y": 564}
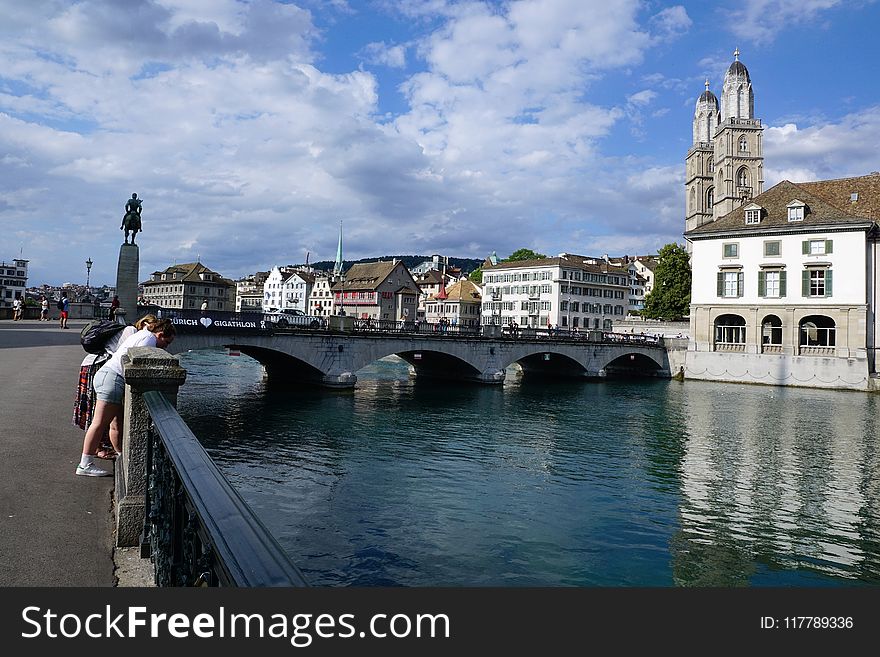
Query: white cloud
{"x": 831, "y": 150}
{"x": 670, "y": 23}
{"x": 385, "y": 55}
{"x": 758, "y": 21}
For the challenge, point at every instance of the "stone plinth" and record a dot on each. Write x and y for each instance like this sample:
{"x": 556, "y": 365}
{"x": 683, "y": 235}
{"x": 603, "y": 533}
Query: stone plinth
{"x": 127, "y": 280}
{"x": 146, "y": 368}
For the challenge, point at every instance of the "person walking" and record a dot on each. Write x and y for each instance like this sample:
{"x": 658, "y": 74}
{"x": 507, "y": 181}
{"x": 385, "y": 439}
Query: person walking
{"x": 64, "y": 307}
{"x": 114, "y": 306}
{"x": 17, "y": 304}
{"x": 44, "y": 309}
{"x": 109, "y": 384}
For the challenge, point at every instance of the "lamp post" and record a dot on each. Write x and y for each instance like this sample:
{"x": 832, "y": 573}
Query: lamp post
{"x": 89, "y": 264}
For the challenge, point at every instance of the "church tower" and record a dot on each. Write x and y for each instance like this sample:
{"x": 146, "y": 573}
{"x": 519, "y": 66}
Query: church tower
{"x": 725, "y": 165}
{"x": 700, "y": 162}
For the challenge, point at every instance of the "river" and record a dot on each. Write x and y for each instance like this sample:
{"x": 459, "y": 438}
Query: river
{"x": 624, "y": 483}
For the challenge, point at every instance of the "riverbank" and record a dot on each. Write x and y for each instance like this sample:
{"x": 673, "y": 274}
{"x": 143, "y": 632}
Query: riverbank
{"x": 56, "y": 529}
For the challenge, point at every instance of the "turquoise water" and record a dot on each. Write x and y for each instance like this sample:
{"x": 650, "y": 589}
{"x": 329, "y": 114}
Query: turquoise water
{"x": 627, "y": 483}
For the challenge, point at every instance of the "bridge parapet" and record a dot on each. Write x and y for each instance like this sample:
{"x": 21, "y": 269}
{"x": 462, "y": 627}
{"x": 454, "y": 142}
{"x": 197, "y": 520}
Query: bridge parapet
{"x": 175, "y": 503}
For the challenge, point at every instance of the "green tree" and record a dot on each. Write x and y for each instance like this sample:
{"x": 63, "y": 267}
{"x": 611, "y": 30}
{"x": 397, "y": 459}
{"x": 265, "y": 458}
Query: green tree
{"x": 523, "y": 254}
{"x": 476, "y": 276}
{"x": 671, "y": 297}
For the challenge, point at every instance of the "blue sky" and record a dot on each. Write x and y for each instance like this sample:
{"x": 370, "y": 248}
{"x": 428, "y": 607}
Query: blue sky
{"x": 251, "y": 129}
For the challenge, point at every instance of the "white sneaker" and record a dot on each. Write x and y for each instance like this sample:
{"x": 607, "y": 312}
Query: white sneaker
{"x": 92, "y": 470}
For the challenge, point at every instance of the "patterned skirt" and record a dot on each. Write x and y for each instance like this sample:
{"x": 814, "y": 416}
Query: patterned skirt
{"x": 84, "y": 406}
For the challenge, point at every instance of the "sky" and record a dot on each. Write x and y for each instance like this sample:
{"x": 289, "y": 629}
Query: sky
{"x": 253, "y": 129}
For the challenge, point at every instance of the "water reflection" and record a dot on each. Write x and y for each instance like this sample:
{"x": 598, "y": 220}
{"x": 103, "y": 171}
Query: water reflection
{"x": 642, "y": 483}
{"x": 774, "y": 485}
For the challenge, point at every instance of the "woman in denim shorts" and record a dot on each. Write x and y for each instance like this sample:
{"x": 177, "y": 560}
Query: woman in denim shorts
{"x": 109, "y": 384}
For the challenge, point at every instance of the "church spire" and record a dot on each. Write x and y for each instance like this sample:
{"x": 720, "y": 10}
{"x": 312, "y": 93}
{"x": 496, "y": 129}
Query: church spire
{"x": 337, "y": 267}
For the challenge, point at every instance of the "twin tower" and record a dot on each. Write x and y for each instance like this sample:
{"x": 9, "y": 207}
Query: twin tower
{"x": 725, "y": 166}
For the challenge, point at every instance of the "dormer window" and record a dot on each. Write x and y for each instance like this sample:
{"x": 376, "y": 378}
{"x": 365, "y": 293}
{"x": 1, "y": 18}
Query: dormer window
{"x": 796, "y": 210}
{"x": 753, "y": 214}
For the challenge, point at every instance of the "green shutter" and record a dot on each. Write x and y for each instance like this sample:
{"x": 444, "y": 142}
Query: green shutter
{"x": 827, "y": 282}
{"x": 782, "y": 283}
{"x": 762, "y": 287}
{"x": 740, "y": 277}
{"x": 721, "y": 284}
{"x": 805, "y": 283}
{"x": 805, "y": 247}
{"x": 829, "y": 246}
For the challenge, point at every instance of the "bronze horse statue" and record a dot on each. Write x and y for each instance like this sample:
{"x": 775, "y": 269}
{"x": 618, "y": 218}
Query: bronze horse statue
{"x": 131, "y": 222}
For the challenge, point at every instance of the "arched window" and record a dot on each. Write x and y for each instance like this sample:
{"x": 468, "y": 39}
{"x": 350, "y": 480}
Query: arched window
{"x": 742, "y": 177}
{"x": 816, "y": 331}
{"x": 711, "y": 165}
{"x": 730, "y": 331}
{"x": 693, "y": 200}
{"x": 710, "y": 199}
{"x": 771, "y": 331}
{"x": 743, "y": 144}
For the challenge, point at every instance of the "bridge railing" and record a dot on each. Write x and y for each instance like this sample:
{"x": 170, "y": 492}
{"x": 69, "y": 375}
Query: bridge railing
{"x": 197, "y": 530}
{"x": 194, "y": 321}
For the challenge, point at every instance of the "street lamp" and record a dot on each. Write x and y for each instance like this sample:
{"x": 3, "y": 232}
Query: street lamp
{"x": 88, "y": 273}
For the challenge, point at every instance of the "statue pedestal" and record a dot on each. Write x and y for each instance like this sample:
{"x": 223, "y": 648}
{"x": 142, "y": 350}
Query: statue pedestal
{"x": 127, "y": 280}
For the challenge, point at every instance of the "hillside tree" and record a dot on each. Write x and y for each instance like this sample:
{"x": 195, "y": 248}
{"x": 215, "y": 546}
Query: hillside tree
{"x": 523, "y": 254}
{"x": 670, "y": 299}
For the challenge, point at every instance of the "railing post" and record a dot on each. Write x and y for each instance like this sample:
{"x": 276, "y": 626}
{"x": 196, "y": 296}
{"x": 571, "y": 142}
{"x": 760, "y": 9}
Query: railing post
{"x": 146, "y": 368}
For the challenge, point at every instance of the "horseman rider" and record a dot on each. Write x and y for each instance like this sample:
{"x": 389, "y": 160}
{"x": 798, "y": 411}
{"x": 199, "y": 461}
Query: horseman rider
{"x": 132, "y": 219}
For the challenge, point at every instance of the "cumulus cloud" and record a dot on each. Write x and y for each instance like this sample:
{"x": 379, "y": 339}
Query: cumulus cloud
{"x": 386, "y": 55}
{"x": 831, "y": 150}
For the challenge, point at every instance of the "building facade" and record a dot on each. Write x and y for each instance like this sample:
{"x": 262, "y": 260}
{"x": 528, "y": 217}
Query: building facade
{"x": 460, "y": 305}
{"x": 249, "y": 293}
{"x": 13, "y": 281}
{"x": 570, "y": 291}
{"x": 321, "y": 299}
{"x": 383, "y": 290}
{"x": 187, "y": 287}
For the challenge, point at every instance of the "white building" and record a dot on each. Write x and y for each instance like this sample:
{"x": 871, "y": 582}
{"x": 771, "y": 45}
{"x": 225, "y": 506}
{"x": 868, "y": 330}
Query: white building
{"x": 570, "y": 291}
{"x": 460, "y": 305}
{"x": 321, "y": 298}
{"x": 287, "y": 288}
{"x": 784, "y": 288}
{"x": 13, "y": 281}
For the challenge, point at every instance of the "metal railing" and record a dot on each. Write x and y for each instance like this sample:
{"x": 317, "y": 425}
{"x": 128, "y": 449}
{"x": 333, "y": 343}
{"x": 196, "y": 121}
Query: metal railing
{"x": 198, "y": 530}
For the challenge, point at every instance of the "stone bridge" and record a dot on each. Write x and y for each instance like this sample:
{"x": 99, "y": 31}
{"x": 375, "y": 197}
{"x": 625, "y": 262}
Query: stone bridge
{"x": 332, "y": 358}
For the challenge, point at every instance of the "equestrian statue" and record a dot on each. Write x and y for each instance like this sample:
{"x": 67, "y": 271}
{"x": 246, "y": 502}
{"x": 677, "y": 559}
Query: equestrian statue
{"x": 131, "y": 222}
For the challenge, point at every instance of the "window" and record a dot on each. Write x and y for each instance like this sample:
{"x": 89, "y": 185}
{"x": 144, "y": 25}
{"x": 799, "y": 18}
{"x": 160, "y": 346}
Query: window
{"x": 743, "y": 144}
{"x": 771, "y": 284}
{"x": 771, "y": 331}
{"x": 816, "y": 331}
{"x": 772, "y": 248}
{"x": 753, "y": 216}
{"x": 730, "y": 250}
{"x": 796, "y": 210}
{"x": 730, "y": 284}
{"x": 730, "y": 330}
{"x": 710, "y": 198}
{"x": 742, "y": 178}
{"x": 817, "y": 247}
{"x": 816, "y": 283}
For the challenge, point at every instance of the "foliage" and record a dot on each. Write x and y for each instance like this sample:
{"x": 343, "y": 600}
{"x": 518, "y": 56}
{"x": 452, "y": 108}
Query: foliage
{"x": 523, "y": 254}
{"x": 670, "y": 299}
{"x": 476, "y": 276}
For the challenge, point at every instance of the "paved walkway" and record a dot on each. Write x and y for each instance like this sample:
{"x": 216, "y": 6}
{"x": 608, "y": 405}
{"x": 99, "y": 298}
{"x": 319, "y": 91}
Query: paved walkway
{"x": 55, "y": 527}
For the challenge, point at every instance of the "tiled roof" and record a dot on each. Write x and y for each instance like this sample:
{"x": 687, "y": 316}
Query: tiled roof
{"x": 366, "y": 275}
{"x": 828, "y": 203}
{"x": 191, "y": 273}
{"x": 462, "y": 291}
{"x": 584, "y": 263}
